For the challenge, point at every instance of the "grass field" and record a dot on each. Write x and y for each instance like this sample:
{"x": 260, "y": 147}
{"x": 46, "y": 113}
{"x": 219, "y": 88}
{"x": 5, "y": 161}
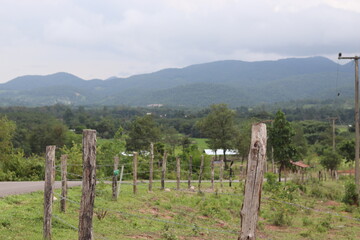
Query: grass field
{"x": 185, "y": 214}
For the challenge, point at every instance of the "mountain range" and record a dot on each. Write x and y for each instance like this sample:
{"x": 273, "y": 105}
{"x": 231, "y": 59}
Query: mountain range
{"x": 237, "y": 83}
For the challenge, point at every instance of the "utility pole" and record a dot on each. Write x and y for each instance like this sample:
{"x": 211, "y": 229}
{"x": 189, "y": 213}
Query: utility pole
{"x": 333, "y": 119}
{"x": 357, "y": 138}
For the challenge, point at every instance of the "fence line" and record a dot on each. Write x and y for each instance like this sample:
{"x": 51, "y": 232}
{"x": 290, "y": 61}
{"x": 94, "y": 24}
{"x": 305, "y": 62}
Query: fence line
{"x": 234, "y": 194}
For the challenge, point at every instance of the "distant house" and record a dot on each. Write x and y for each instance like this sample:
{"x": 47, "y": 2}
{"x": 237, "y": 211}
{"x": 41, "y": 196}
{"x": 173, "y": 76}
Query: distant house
{"x": 231, "y": 155}
{"x": 299, "y": 165}
{"x": 217, "y": 152}
{"x": 300, "y": 168}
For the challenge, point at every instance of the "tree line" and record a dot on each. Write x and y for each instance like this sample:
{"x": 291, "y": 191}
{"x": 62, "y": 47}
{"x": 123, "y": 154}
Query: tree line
{"x": 27, "y": 131}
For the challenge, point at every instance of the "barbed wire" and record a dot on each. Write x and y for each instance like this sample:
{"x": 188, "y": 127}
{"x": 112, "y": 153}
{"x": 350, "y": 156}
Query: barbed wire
{"x": 153, "y": 219}
{"x": 65, "y": 222}
{"x": 73, "y": 227}
{"x": 312, "y": 209}
{"x": 172, "y": 222}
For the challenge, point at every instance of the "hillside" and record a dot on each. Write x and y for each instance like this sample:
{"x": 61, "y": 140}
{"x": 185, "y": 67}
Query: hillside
{"x": 234, "y": 82}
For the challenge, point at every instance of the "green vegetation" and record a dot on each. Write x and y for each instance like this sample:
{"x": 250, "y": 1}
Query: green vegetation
{"x": 186, "y": 215}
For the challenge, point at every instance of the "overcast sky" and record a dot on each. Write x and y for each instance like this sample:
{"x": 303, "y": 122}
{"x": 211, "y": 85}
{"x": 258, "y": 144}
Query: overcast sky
{"x": 104, "y": 38}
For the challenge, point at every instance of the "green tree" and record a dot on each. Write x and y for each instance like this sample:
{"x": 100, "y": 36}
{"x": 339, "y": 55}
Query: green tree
{"x": 299, "y": 140}
{"x": 280, "y": 137}
{"x": 243, "y": 139}
{"x": 219, "y": 127}
{"x": 143, "y": 131}
{"x": 171, "y": 138}
{"x": 347, "y": 150}
{"x": 330, "y": 160}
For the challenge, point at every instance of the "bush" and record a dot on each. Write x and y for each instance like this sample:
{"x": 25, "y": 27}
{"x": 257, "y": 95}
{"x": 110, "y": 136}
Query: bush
{"x": 271, "y": 184}
{"x": 351, "y": 196}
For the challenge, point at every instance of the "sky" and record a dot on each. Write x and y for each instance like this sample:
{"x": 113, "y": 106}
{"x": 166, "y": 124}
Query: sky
{"x": 105, "y": 38}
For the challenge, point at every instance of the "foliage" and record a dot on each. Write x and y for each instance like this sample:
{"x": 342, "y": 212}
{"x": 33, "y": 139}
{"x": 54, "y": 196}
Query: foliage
{"x": 281, "y": 214}
{"x": 143, "y": 131}
{"x": 19, "y": 168}
{"x": 7, "y": 128}
{"x": 271, "y": 185}
{"x": 74, "y": 160}
{"x": 280, "y": 138}
{"x": 347, "y": 150}
{"x": 351, "y": 196}
{"x": 330, "y": 159}
{"x": 219, "y": 127}
{"x": 108, "y": 149}
{"x": 299, "y": 140}
{"x": 242, "y": 142}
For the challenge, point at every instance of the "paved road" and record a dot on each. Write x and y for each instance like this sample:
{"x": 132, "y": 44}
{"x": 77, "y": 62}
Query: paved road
{"x": 13, "y": 188}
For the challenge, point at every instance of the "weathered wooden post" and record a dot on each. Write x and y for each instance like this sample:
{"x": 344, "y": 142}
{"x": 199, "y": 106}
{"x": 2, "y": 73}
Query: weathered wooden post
{"x": 88, "y": 185}
{"x": 135, "y": 162}
{"x": 230, "y": 176}
{"x": 178, "y": 174}
{"x": 201, "y": 171}
{"x": 48, "y": 190}
{"x": 254, "y": 179}
{"x": 221, "y": 172}
{"x": 63, "y": 182}
{"x": 190, "y": 172}
{"x": 212, "y": 173}
{"x": 163, "y": 171}
{"x": 151, "y": 174}
{"x": 114, "y": 179}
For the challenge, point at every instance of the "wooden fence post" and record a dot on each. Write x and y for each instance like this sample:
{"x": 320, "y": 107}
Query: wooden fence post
{"x": 190, "y": 172}
{"x": 88, "y": 185}
{"x": 201, "y": 171}
{"x": 230, "y": 176}
{"x": 254, "y": 179}
{"x": 178, "y": 175}
{"x": 221, "y": 172}
{"x": 135, "y": 162}
{"x": 120, "y": 180}
{"x": 212, "y": 173}
{"x": 63, "y": 182}
{"x": 115, "y": 176}
{"x": 48, "y": 190}
{"x": 163, "y": 171}
{"x": 151, "y": 175}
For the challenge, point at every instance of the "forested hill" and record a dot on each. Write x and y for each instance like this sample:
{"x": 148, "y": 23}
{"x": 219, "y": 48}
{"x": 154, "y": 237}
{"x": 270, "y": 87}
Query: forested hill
{"x": 237, "y": 83}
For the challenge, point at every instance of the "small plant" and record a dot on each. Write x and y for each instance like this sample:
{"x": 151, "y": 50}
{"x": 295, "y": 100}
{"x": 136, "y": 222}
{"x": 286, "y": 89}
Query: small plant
{"x": 196, "y": 230}
{"x": 5, "y": 223}
{"x": 281, "y": 217}
{"x": 307, "y": 221}
{"x": 169, "y": 236}
{"x": 324, "y": 225}
{"x": 101, "y": 214}
{"x": 271, "y": 184}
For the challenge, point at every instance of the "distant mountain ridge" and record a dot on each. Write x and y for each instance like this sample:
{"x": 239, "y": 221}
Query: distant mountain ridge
{"x": 233, "y": 82}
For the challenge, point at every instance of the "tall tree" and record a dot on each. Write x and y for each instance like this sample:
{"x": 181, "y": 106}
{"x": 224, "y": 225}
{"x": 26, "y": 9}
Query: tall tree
{"x": 219, "y": 127}
{"x": 280, "y": 137}
{"x": 143, "y": 131}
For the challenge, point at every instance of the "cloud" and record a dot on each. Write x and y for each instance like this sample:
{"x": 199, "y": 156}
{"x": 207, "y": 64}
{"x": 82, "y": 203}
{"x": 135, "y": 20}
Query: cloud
{"x": 102, "y": 38}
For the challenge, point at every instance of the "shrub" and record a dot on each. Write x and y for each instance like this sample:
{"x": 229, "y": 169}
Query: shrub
{"x": 271, "y": 184}
{"x": 351, "y": 196}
